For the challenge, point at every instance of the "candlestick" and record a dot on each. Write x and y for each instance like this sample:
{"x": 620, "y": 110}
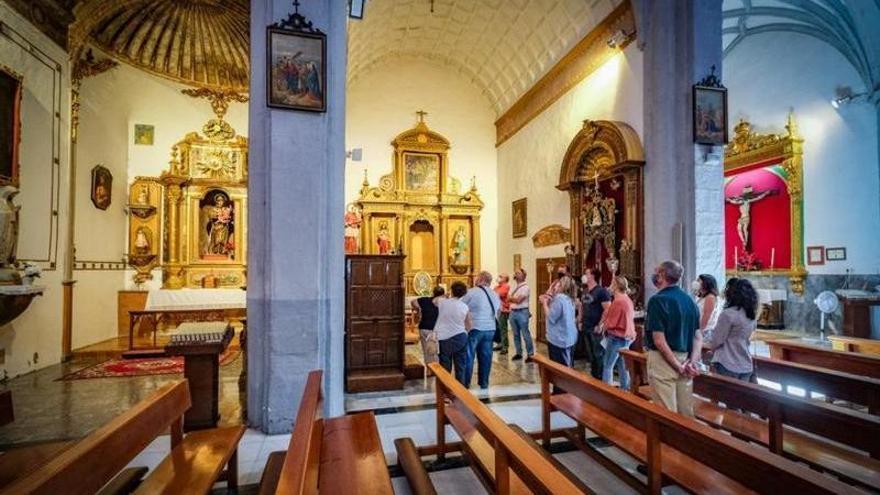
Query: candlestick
{"x": 736, "y": 257}
{"x": 772, "y": 258}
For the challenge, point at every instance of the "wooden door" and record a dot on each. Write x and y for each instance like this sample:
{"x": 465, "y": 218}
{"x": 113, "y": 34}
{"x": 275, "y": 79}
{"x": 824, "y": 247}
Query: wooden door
{"x": 543, "y": 279}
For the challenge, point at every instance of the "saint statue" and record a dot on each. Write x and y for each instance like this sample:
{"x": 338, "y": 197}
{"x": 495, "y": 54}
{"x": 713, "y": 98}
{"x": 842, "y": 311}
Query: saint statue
{"x": 744, "y": 201}
{"x": 595, "y": 216}
{"x": 459, "y": 247}
{"x": 383, "y": 239}
{"x": 352, "y": 229}
{"x": 141, "y": 242}
{"x": 217, "y": 221}
{"x": 143, "y": 196}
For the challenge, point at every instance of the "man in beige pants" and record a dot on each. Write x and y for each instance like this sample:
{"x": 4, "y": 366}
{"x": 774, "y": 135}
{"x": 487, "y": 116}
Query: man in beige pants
{"x": 672, "y": 340}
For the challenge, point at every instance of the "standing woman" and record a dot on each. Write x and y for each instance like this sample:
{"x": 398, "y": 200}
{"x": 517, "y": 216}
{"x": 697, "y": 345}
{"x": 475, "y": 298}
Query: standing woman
{"x": 620, "y": 329}
{"x": 705, "y": 287}
{"x": 425, "y": 310}
{"x": 730, "y": 339}
{"x": 453, "y": 320}
{"x": 562, "y": 330}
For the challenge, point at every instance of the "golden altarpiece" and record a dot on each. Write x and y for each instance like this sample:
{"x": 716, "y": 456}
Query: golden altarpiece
{"x": 419, "y": 211}
{"x": 198, "y": 207}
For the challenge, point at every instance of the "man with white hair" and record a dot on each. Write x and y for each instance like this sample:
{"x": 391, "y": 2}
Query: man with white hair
{"x": 484, "y": 306}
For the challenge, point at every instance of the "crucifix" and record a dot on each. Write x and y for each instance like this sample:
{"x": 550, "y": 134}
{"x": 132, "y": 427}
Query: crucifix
{"x": 421, "y": 114}
{"x": 744, "y": 201}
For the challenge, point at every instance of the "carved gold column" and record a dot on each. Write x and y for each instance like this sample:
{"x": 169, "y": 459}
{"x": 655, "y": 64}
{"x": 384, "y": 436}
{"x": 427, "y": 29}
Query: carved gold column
{"x": 794, "y": 167}
{"x": 475, "y": 245}
{"x": 174, "y": 276}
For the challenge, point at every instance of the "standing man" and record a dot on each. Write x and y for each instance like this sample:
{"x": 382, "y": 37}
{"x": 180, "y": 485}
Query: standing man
{"x": 673, "y": 341}
{"x": 519, "y": 316}
{"x": 597, "y": 299}
{"x": 484, "y": 307}
{"x": 503, "y": 290}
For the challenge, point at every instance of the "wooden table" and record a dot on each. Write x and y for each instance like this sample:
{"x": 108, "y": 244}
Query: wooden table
{"x": 201, "y": 344}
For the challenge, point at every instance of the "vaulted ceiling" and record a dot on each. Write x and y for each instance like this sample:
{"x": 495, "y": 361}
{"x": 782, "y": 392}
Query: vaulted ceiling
{"x": 502, "y": 46}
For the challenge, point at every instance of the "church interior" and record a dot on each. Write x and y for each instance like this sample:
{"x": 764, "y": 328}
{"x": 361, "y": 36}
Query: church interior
{"x": 224, "y": 224}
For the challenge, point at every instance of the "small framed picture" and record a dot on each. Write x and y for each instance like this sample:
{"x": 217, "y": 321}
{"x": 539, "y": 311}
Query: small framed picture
{"x": 517, "y": 261}
{"x": 815, "y": 255}
{"x": 297, "y": 72}
{"x": 144, "y": 134}
{"x": 519, "y": 217}
{"x": 710, "y": 115}
{"x": 102, "y": 187}
{"x": 835, "y": 254}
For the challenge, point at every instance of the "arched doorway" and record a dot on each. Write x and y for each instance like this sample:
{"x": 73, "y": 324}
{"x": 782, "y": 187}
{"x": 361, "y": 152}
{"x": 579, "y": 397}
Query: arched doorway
{"x": 602, "y": 172}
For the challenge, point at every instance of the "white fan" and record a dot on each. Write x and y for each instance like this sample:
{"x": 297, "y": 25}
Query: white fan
{"x": 827, "y": 303}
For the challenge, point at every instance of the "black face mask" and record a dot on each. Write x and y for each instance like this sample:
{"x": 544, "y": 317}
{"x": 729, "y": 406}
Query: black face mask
{"x": 655, "y": 279}
{"x": 560, "y": 274}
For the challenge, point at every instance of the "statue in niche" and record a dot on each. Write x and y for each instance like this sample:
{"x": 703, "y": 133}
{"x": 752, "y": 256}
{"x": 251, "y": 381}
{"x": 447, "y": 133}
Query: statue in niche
{"x": 143, "y": 195}
{"x": 383, "y": 239}
{"x": 216, "y": 213}
{"x": 142, "y": 242}
{"x": 744, "y": 201}
{"x": 459, "y": 247}
{"x": 352, "y": 229}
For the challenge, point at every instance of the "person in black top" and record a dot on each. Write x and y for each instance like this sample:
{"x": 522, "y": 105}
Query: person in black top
{"x": 425, "y": 311}
{"x": 596, "y": 299}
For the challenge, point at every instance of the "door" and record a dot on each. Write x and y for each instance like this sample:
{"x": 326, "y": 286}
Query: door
{"x": 545, "y": 270}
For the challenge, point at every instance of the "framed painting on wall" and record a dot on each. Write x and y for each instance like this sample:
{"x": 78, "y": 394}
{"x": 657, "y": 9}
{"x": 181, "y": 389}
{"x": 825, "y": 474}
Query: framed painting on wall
{"x": 517, "y": 262}
{"x": 297, "y": 72}
{"x": 815, "y": 255}
{"x": 144, "y": 134}
{"x": 835, "y": 254}
{"x": 10, "y": 126}
{"x": 102, "y": 187}
{"x": 519, "y": 217}
{"x": 710, "y": 115}
{"x": 422, "y": 172}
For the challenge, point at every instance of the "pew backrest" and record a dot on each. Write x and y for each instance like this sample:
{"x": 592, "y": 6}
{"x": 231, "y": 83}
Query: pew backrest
{"x": 849, "y": 362}
{"x": 93, "y": 461}
{"x": 299, "y": 474}
{"x": 855, "y": 344}
{"x": 753, "y": 467}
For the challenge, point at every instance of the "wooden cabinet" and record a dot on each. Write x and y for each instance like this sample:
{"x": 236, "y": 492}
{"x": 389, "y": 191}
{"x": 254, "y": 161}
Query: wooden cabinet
{"x": 128, "y": 300}
{"x": 374, "y": 323}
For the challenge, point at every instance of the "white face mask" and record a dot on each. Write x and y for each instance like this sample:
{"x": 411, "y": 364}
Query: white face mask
{"x": 584, "y": 280}
{"x": 696, "y": 286}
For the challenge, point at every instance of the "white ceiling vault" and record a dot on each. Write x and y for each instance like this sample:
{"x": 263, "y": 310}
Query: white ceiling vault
{"x": 502, "y": 46}
{"x": 852, "y": 27}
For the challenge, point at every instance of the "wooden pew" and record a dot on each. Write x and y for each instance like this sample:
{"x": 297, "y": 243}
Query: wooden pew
{"x": 788, "y": 417}
{"x": 855, "y": 344}
{"x": 503, "y": 461}
{"x": 833, "y": 384}
{"x": 695, "y": 456}
{"x": 196, "y": 461}
{"x": 848, "y": 362}
{"x": 328, "y": 455}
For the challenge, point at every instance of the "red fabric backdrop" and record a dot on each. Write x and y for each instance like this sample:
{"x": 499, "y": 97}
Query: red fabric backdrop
{"x": 770, "y": 217}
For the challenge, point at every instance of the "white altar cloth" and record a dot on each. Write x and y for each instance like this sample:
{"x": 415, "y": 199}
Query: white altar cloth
{"x": 165, "y": 299}
{"x": 767, "y": 296}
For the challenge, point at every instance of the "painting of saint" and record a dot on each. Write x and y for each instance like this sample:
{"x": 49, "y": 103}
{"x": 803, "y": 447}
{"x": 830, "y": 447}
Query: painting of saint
{"x": 102, "y": 182}
{"x": 459, "y": 247}
{"x": 217, "y": 216}
{"x": 144, "y": 134}
{"x": 710, "y": 115}
{"x": 297, "y": 71}
{"x": 10, "y": 126}
{"x": 383, "y": 239}
{"x": 422, "y": 172}
{"x": 520, "y": 217}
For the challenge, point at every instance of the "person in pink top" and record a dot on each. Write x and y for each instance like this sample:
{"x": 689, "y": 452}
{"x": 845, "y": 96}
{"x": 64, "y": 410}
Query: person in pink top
{"x": 618, "y": 324}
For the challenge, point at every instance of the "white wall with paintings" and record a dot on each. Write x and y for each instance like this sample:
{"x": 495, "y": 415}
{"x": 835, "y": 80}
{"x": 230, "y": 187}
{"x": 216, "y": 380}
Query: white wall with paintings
{"x": 383, "y": 103}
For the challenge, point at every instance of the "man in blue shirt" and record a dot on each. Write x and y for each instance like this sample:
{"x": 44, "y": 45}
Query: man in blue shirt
{"x": 673, "y": 341}
{"x": 484, "y": 306}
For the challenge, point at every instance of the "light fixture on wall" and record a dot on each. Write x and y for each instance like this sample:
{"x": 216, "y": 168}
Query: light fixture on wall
{"x": 355, "y": 154}
{"x": 618, "y": 39}
{"x": 356, "y": 9}
{"x": 844, "y": 95}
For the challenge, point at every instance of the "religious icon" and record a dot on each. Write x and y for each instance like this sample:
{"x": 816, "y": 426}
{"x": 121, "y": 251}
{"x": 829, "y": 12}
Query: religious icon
{"x": 10, "y": 126}
{"x": 520, "y": 217}
{"x": 459, "y": 247}
{"x": 352, "y": 229}
{"x": 297, "y": 70}
{"x": 383, "y": 239}
{"x": 102, "y": 183}
{"x": 422, "y": 172}
{"x": 217, "y": 218}
{"x": 142, "y": 241}
{"x": 744, "y": 201}
{"x": 144, "y": 134}
{"x": 710, "y": 115}
{"x": 143, "y": 197}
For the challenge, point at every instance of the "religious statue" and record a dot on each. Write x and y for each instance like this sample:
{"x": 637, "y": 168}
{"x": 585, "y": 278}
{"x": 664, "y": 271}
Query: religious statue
{"x": 352, "y": 229}
{"x": 217, "y": 221}
{"x": 744, "y": 201}
{"x": 141, "y": 242}
{"x": 384, "y": 239}
{"x": 459, "y": 247}
{"x": 143, "y": 195}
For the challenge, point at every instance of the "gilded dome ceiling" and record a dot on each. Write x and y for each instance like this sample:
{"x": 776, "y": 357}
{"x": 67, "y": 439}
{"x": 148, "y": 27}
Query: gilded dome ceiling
{"x": 198, "y": 42}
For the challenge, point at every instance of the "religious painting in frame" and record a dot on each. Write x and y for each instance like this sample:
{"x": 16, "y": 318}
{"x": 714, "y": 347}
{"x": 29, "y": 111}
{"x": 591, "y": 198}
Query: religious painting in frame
{"x": 297, "y": 72}
{"x": 10, "y": 126}
{"x": 102, "y": 187}
{"x": 421, "y": 172}
{"x": 710, "y": 115}
{"x": 517, "y": 262}
{"x": 144, "y": 134}
{"x": 519, "y": 217}
{"x": 815, "y": 255}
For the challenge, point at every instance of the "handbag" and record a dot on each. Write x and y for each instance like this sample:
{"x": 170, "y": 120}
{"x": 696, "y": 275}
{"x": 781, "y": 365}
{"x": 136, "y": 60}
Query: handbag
{"x": 497, "y": 337}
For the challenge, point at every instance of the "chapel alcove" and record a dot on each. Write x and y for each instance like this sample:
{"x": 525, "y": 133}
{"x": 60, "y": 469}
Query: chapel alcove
{"x": 602, "y": 172}
{"x": 421, "y": 246}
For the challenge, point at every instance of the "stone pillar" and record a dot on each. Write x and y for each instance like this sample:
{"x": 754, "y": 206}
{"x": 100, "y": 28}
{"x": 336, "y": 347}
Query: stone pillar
{"x": 684, "y": 204}
{"x": 295, "y": 257}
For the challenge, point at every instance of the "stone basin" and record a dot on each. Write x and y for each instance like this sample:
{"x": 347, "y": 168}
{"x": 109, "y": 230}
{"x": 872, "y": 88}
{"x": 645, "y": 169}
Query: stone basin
{"x": 15, "y": 299}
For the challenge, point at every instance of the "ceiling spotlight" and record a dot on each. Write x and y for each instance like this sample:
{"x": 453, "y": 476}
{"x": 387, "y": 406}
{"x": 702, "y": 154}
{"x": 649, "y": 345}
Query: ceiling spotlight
{"x": 844, "y": 95}
{"x": 618, "y": 39}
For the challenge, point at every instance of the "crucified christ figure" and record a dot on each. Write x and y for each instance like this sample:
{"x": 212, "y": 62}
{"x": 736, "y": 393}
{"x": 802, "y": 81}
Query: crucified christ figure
{"x": 744, "y": 201}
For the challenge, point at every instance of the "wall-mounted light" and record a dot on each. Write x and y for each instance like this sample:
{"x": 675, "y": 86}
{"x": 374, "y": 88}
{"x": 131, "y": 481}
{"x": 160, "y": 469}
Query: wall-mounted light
{"x": 355, "y": 154}
{"x": 356, "y": 8}
{"x": 844, "y": 95}
{"x": 618, "y": 39}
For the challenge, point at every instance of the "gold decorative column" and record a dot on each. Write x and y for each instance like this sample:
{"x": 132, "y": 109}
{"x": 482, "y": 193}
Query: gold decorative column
{"x": 173, "y": 271}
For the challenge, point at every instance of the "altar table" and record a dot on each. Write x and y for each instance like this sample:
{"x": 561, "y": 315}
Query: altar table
{"x": 164, "y": 299}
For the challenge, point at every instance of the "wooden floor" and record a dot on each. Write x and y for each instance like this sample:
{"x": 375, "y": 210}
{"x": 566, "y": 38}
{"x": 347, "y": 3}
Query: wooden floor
{"x": 113, "y": 348}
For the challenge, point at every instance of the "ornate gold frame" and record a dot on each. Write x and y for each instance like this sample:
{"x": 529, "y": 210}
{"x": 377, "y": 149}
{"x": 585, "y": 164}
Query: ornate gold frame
{"x": 748, "y": 148}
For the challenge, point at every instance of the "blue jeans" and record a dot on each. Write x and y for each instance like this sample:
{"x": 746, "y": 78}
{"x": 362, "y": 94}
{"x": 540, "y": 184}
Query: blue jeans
{"x": 480, "y": 349}
{"x": 719, "y": 369}
{"x": 455, "y": 349}
{"x": 612, "y": 357}
{"x": 519, "y": 321}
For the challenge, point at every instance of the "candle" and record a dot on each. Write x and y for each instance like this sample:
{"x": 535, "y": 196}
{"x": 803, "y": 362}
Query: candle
{"x": 736, "y": 257}
{"x": 772, "y": 258}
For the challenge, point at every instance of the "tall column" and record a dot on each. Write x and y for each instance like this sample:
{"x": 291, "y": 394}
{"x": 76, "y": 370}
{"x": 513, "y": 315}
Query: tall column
{"x": 172, "y": 272}
{"x": 295, "y": 239}
{"x": 684, "y": 204}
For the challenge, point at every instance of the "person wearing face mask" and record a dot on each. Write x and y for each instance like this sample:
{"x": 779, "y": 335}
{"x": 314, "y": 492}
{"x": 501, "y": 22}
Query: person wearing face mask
{"x": 705, "y": 288}
{"x": 596, "y": 299}
{"x": 519, "y": 316}
{"x": 673, "y": 340}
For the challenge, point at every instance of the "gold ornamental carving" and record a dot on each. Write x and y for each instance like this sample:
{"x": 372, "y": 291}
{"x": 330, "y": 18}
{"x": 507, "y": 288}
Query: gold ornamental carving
{"x": 144, "y": 226}
{"x": 551, "y": 235}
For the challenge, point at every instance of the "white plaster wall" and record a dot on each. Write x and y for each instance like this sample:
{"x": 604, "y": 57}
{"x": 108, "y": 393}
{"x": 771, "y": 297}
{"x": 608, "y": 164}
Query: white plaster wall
{"x": 769, "y": 74}
{"x": 529, "y": 162}
{"x": 382, "y": 104}
{"x": 33, "y": 340}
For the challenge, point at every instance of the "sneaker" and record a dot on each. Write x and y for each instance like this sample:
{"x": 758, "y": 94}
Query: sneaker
{"x": 529, "y": 359}
{"x": 516, "y": 357}
{"x": 504, "y": 351}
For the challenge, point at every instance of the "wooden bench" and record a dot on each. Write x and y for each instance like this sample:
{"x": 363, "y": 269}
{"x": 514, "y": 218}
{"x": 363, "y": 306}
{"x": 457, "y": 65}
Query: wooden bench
{"x": 328, "y": 455}
{"x": 788, "y": 418}
{"x": 690, "y": 454}
{"x": 855, "y": 344}
{"x": 195, "y": 463}
{"x": 503, "y": 461}
{"x": 802, "y": 353}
